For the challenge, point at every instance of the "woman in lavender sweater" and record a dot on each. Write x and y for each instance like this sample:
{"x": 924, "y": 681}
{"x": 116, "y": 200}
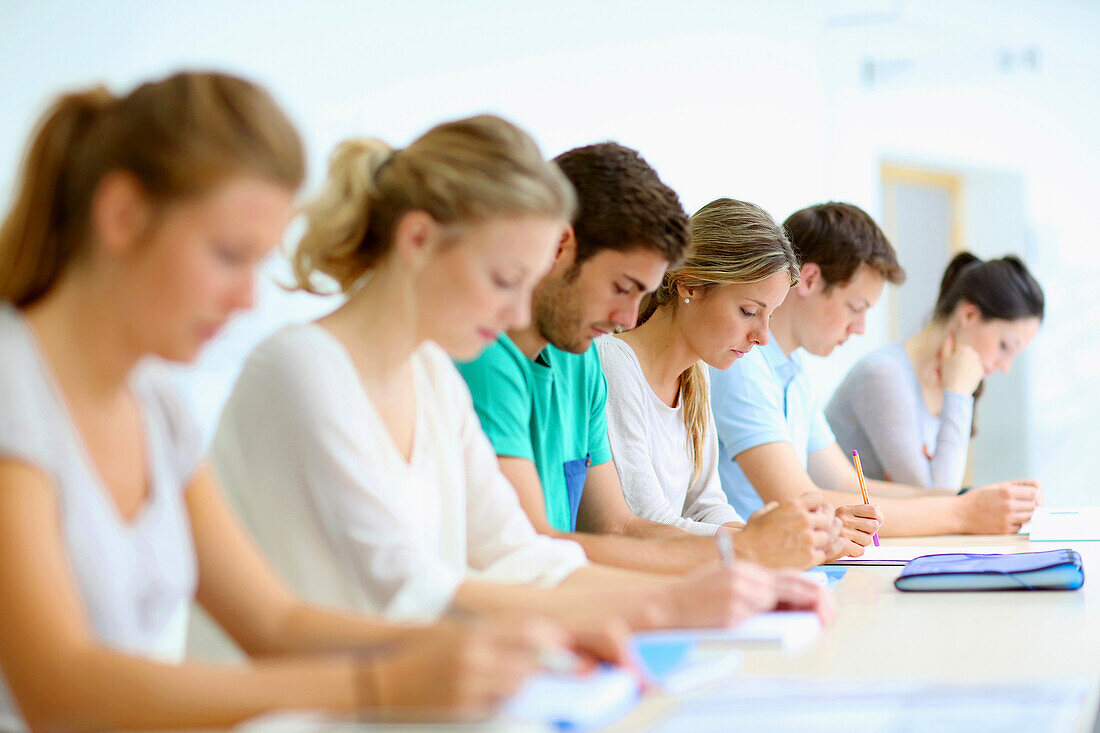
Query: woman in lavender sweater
{"x": 908, "y": 408}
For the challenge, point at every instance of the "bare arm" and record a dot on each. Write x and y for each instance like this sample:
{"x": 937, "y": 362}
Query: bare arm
{"x": 265, "y": 617}
{"x": 593, "y": 597}
{"x": 241, "y": 591}
{"x": 876, "y": 397}
{"x": 774, "y": 469}
{"x": 604, "y": 510}
{"x": 831, "y": 470}
{"x": 63, "y": 678}
{"x": 787, "y": 537}
{"x": 609, "y": 531}
{"x": 776, "y": 473}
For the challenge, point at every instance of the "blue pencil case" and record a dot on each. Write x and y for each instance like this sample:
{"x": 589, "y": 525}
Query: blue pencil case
{"x": 1050, "y": 570}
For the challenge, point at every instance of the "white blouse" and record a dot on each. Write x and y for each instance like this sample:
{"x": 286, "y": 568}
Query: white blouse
{"x": 652, "y": 450}
{"x": 136, "y": 578}
{"x": 314, "y": 474}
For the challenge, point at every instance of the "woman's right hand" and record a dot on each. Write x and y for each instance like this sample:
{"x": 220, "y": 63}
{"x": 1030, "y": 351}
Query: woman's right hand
{"x": 791, "y": 534}
{"x": 1000, "y": 508}
{"x": 721, "y": 596}
{"x": 860, "y": 523}
{"x": 960, "y": 366}
{"x": 457, "y": 671}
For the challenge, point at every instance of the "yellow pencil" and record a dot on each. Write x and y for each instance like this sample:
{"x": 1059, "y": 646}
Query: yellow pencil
{"x": 862, "y": 485}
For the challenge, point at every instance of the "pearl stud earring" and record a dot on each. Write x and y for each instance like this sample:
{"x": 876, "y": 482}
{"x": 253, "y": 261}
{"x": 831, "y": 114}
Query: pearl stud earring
{"x": 687, "y": 300}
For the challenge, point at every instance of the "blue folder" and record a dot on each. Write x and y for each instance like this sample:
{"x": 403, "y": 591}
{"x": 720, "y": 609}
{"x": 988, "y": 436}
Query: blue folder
{"x": 1050, "y": 570}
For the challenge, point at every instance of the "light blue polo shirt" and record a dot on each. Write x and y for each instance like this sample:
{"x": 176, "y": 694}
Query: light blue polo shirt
{"x": 765, "y": 397}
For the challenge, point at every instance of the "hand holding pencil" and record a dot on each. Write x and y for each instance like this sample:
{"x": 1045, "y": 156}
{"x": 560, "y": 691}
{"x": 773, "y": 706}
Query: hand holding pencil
{"x": 863, "y": 486}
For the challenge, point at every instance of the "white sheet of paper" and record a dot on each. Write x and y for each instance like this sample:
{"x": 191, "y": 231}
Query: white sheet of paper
{"x": 817, "y": 576}
{"x": 1065, "y": 524}
{"x": 573, "y": 701}
{"x": 706, "y": 667}
{"x": 901, "y": 554}
{"x": 786, "y": 629}
{"x": 319, "y": 722}
{"x": 881, "y": 706}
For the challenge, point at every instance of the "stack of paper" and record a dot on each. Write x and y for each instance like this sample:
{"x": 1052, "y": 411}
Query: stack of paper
{"x": 901, "y": 554}
{"x": 674, "y": 662}
{"x": 575, "y": 702}
{"x": 784, "y": 629}
{"x": 878, "y": 706}
{"x": 1065, "y": 525}
{"x": 544, "y": 702}
{"x": 825, "y": 576}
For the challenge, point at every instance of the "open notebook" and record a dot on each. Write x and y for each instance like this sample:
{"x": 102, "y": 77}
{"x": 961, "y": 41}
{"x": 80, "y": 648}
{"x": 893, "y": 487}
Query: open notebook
{"x": 901, "y": 554}
{"x": 876, "y": 705}
{"x": 574, "y": 702}
{"x": 782, "y": 629}
{"x": 677, "y": 663}
{"x": 1065, "y": 524}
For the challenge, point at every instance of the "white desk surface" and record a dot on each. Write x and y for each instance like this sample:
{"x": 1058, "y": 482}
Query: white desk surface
{"x": 880, "y": 632}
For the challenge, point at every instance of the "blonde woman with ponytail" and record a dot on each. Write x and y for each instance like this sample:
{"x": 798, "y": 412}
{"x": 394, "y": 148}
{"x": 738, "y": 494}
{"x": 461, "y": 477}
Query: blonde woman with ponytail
{"x": 710, "y": 310}
{"x": 351, "y": 446}
{"x": 135, "y": 232}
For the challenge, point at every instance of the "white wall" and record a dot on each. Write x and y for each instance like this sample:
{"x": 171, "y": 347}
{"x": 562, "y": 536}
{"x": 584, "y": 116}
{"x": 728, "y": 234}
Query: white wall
{"x": 951, "y": 104}
{"x": 763, "y": 101}
{"x": 697, "y": 88}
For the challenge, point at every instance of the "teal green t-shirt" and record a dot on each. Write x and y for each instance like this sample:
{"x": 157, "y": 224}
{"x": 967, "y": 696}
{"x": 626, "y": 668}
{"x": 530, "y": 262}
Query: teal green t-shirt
{"x": 550, "y": 410}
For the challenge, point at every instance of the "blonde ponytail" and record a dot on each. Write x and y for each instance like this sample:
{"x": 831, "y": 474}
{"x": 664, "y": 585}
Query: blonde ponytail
{"x": 337, "y": 220}
{"x": 458, "y": 172}
{"x": 732, "y": 242}
{"x": 695, "y": 397}
{"x": 178, "y": 137}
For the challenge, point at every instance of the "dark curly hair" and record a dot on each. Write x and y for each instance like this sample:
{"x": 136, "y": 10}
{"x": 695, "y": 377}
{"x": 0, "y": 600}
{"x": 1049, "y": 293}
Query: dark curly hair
{"x": 622, "y": 204}
{"x": 840, "y": 237}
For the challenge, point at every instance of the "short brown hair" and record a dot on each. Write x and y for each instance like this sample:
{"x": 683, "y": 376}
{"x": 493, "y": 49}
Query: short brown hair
{"x": 622, "y": 204}
{"x": 839, "y": 238}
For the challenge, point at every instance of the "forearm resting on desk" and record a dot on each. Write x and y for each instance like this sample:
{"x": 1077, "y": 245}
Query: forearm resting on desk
{"x": 591, "y": 598}
{"x": 670, "y": 555}
{"x": 313, "y": 629}
{"x": 902, "y": 491}
{"x": 96, "y": 689}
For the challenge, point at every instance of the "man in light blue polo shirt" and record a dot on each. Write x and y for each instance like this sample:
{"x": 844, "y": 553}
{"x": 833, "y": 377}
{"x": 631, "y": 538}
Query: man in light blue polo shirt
{"x": 773, "y": 439}
{"x": 765, "y": 398}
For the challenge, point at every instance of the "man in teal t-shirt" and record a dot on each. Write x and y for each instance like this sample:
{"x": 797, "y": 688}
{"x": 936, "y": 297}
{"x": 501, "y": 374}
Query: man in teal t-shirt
{"x": 557, "y": 389}
{"x": 540, "y": 391}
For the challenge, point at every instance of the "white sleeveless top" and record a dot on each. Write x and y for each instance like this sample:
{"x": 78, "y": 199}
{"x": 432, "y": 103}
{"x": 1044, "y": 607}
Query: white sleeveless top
{"x": 136, "y": 580}
{"x": 652, "y": 451}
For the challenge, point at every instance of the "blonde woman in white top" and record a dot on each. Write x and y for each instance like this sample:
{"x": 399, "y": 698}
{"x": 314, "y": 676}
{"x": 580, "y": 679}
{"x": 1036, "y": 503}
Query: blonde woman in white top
{"x": 654, "y": 454}
{"x": 712, "y": 309}
{"x": 351, "y": 446}
{"x": 135, "y": 232}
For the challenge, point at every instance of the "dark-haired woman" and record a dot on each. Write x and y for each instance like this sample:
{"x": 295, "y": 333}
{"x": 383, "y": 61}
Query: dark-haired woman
{"x": 908, "y": 408}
